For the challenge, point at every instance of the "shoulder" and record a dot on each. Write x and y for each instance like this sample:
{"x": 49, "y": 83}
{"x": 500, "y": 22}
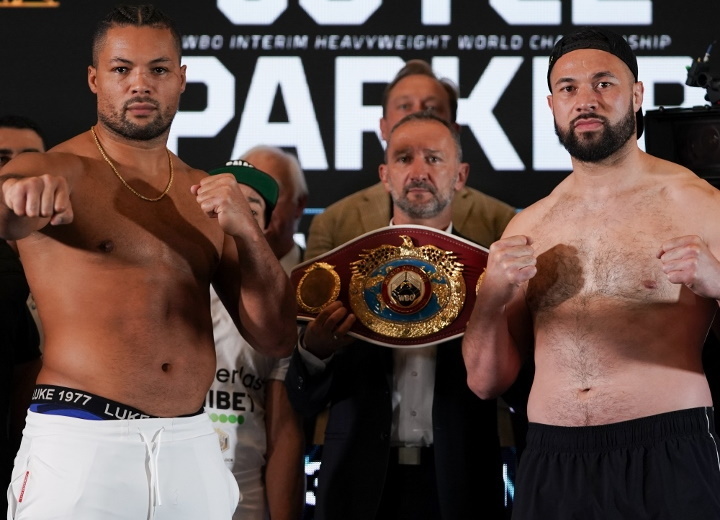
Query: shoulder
{"x": 182, "y": 168}
{"x": 691, "y": 203}
{"x": 359, "y": 198}
{"x": 691, "y": 195}
{"x": 59, "y": 161}
{"x": 479, "y": 216}
{"x": 478, "y": 205}
{"x": 681, "y": 185}
{"x": 471, "y": 196}
{"x": 525, "y": 219}
{"x": 351, "y": 208}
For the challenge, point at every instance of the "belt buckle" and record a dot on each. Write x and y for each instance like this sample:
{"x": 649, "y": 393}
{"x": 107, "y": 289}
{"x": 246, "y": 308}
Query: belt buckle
{"x": 409, "y": 455}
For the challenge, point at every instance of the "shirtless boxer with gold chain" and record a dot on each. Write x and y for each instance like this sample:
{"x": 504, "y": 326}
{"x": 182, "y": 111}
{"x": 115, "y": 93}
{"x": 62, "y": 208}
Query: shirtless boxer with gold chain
{"x": 120, "y": 240}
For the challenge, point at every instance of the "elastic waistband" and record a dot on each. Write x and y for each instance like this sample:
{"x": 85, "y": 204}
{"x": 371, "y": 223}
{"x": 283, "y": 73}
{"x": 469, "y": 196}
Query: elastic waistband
{"x": 69, "y": 402}
{"x": 39, "y": 425}
{"x": 635, "y": 432}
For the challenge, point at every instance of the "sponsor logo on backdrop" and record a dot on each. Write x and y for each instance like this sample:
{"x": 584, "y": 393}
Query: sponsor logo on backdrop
{"x": 289, "y": 70}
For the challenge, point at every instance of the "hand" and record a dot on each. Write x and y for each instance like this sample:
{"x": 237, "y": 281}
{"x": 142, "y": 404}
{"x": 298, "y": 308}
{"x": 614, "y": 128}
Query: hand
{"x": 44, "y": 196}
{"x": 688, "y": 260}
{"x": 328, "y": 331}
{"x": 220, "y": 196}
{"x": 511, "y": 263}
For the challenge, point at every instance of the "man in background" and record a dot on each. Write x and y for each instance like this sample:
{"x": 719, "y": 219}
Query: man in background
{"x": 287, "y": 172}
{"x": 260, "y": 435}
{"x": 19, "y": 339}
{"x": 405, "y": 438}
{"x": 477, "y": 216}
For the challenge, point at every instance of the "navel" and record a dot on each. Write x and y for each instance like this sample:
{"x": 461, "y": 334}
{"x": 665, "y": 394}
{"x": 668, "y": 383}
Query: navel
{"x": 166, "y": 367}
{"x": 106, "y": 246}
{"x": 584, "y": 393}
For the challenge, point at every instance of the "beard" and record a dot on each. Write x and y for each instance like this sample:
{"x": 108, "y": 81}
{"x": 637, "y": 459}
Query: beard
{"x": 422, "y": 210}
{"x": 118, "y": 123}
{"x": 592, "y": 147}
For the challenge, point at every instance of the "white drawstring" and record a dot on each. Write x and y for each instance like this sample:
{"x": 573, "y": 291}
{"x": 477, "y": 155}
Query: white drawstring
{"x": 717, "y": 454}
{"x": 153, "y": 451}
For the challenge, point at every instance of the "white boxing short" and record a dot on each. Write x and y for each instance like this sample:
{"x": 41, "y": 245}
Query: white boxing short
{"x": 158, "y": 468}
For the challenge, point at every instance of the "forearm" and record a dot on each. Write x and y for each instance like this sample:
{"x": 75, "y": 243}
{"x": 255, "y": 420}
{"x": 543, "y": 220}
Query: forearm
{"x": 284, "y": 470}
{"x": 13, "y": 227}
{"x": 492, "y": 358}
{"x": 267, "y": 304}
{"x": 285, "y": 483}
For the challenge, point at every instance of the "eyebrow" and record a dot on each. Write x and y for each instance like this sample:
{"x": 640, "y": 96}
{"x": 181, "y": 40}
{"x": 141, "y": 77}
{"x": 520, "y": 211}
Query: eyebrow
{"x": 403, "y": 97}
{"x": 256, "y": 200}
{"x": 402, "y": 151}
{"x": 596, "y": 76}
{"x": 161, "y": 59}
{"x": 408, "y": 149}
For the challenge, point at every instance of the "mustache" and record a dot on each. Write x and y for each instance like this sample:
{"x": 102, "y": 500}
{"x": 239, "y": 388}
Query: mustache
{"x": 588, "y": 116}
{"x": 419, "y": 184}
{"x": 140, "y": 99}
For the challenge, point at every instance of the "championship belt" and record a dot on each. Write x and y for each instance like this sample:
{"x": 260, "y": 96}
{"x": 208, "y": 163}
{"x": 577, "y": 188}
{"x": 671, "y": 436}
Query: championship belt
{"x": 408, "y": 286}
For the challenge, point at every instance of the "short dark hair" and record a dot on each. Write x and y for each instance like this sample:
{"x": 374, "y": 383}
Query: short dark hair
{"x": 423, "y": 68}
{"x": 146, "y": 15}
{"x": 603, "y": 40}
{"x": 594, "y": 38}
{"x": 22, "y": 123}
{"x": 426, "y": 115}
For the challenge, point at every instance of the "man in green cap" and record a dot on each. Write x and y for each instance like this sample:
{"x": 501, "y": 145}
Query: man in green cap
{"x": 260, "y": 435}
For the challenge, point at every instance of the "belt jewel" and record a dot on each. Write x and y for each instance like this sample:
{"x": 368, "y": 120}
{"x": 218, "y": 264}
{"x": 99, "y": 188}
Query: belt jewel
{"x": 406, "y": 291}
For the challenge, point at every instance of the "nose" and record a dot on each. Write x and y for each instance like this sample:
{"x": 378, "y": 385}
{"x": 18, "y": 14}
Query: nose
{"x": 141, "y": 81}
{"x": 416, "y": 106}
{"x": 418, "y": 171}
{"x": 586, "y": 99}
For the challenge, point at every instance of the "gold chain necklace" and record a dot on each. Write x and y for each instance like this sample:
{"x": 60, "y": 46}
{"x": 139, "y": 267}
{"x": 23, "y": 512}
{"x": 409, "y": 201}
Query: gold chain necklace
{"x": 143, "y": 197}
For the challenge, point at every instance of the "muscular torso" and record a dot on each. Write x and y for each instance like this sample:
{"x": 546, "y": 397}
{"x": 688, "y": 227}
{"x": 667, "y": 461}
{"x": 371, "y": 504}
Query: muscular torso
{"x": 614, "y": 340}
{"x": 122, "y": 293}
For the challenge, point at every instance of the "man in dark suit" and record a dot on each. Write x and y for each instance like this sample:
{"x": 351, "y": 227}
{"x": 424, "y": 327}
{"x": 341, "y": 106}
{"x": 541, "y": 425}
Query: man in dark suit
{"x": 406, "y": 438}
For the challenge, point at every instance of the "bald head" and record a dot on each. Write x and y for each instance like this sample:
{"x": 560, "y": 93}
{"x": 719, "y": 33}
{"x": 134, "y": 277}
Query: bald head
{"x": 285, "y": 169}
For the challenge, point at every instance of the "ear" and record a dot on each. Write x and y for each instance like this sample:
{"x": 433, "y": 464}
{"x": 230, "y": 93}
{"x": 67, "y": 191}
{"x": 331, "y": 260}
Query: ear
{"x": 301, "y": 203}
{"x": 92, "y": 79}
{"x": 383, "y": 173}
{"x": 550, "y": 102}
{"x": 638, "y": 95}
{"x": 384, "y": 130}
{"x": 463, "y": 173}
{"x": 183, "y": 84}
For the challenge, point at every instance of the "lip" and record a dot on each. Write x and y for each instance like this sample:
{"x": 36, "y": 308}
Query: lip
{"x": 418, "y": 191}
{"x": 588, "y": 124}
{"x": 141, "y": 108}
